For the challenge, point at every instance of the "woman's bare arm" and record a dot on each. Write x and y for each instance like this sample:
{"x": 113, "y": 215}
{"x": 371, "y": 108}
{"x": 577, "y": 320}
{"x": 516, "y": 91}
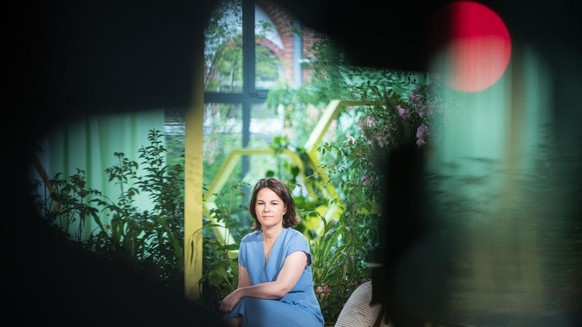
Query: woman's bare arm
{"x": 288, "y": 276}
{"x": 243, "y": 277}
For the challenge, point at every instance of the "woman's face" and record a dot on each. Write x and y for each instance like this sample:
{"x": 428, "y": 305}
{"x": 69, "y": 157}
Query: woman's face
{"x": 269, "y": 208}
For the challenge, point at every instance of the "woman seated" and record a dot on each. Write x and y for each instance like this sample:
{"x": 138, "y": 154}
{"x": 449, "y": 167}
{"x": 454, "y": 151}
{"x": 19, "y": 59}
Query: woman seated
{"x": 275, "y": 284}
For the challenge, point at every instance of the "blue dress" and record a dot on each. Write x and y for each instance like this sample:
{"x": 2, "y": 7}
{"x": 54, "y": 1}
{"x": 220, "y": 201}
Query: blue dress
{"x": 299, "y": 307}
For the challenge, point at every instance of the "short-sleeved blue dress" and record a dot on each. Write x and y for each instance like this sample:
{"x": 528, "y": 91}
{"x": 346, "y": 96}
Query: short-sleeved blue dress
{"x": 299, "y": 307}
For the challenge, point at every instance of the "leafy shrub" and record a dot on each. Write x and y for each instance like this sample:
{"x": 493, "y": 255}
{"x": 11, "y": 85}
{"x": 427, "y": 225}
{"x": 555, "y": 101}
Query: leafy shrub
{"x": 151, "y": 240}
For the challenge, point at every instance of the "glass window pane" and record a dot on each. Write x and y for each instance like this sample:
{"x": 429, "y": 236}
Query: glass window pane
{"x": 222, "y": 134}
{"x": 223, "y": 49}
{"x": 268, "y": 68}
{"x": 270, "y": 52}
{"x": 266, "y": 124}
{"x": 267, "y": 130}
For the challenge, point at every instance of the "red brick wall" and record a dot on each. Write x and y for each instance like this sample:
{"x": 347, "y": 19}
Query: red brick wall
{"x": 283, "y": 23}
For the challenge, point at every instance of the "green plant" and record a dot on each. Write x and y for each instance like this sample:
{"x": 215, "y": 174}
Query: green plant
{"x": 220, "y": 263}
{"x": 150, "y": 239}
{"x": 402, "y": 107}
{"x": 68, "y": 207}
{"x": 338, "y": 268}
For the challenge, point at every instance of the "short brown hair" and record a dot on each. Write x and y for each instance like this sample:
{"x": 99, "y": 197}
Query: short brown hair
{"x": 282, "y": 191}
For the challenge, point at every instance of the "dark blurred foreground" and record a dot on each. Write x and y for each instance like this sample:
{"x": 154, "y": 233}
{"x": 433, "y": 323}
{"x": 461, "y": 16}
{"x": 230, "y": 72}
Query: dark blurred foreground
{"x": 71, "y": 59}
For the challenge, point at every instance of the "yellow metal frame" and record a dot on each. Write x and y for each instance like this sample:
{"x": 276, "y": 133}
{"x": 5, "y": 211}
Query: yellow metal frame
{"x": 311, "y": 146}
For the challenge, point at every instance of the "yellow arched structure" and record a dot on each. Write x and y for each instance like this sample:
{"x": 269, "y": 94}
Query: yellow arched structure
{"x": 193, "y": 224}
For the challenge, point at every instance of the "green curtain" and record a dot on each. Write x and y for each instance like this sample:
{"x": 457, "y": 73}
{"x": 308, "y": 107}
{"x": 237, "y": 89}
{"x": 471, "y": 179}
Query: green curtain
{"x": 89, "y": 144}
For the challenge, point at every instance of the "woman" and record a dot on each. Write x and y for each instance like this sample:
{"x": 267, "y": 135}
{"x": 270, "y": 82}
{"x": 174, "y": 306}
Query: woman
{"x": 275, "y": 285}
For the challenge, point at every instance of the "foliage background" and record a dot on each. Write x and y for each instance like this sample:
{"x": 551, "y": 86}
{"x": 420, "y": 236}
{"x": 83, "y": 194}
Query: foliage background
{"x": 342, "y": 247}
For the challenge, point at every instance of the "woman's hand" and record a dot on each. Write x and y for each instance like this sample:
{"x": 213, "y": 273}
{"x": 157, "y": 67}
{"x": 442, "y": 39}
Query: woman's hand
{"x": 230, "y": 300}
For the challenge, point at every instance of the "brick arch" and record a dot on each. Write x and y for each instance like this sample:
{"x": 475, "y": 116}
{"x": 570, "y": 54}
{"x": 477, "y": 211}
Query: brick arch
{"x": 283, "y": 23}
{"x": 279, "y": 54}
{"x": 274, "y": 48}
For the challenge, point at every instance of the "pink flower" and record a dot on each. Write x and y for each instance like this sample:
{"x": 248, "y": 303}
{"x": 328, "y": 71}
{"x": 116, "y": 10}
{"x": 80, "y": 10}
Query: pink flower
{"x": 350, "y": 139}
{"x": 367, "y": 180}
{"x": 366, "y": 123}
{"x": 382, "y": 140}
{"x": 414, "y": 98}
{"x": 404, "y": 113}
{"x": 421, "y": 113}
{"x": 323, "y": 290}
{"x": 421, "y": 133}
